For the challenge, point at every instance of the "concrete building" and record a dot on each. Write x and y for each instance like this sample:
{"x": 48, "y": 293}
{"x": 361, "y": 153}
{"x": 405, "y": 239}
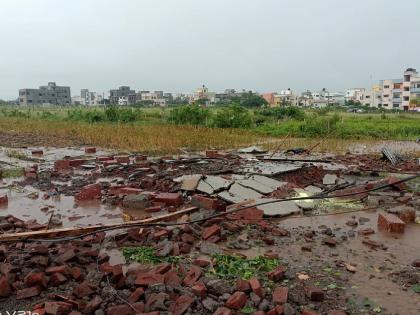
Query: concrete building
{"x": 358, "y": 95}
{"x": 321, "y": 98}
{"x": 50, "y": 94}
{"x": 157, "y": 98}
{"x": 402, "y": 94}
{"x": 121, "y": 93}
{"x": 88, "y": 98}
{"x": 285, "y": 97}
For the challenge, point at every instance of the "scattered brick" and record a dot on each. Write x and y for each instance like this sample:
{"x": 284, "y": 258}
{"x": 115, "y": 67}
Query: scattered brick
{"x": 36, "y": 279}
{"x": 256, "y": 287}
{"x": 93, "y": 305}
{"x": 90, "y": 150}
{"x": 181, "y": 304}
{"x": 147, "y": 279}
{"x": 207, "y": 203}
{"x": 277, "y": 274}
{"x": 210, "y": 231}
{"x": 28, "y": 292}
{"x": 280, "y": 295}
{"x": 223, "y": 311}
{"x": 169, "y": 199}
{"x": 89, "y": 192}
{"x": 4, "y": 199}
{"x": 199, "y": 289}
{"x": 57, "y": 308}
{"x": 315, "y": 294}
{"x": 5, "y": 289}
{"x": 390, "y": 223}
{"x": 192, "y": 276}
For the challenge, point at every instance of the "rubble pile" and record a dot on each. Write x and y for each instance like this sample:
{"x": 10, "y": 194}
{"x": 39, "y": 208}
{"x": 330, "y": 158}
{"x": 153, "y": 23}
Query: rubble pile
{"x": 175, "y": 268}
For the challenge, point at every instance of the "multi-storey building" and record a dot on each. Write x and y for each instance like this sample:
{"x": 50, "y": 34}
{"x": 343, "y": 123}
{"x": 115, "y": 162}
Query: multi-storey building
{"x": 403, "y": 94}
{"x": 285, "y": 97}
{"x": 358, "y": 95}
{"x": 88, "y": 98}
{"x": 50, "y": 94}
{"x": 123, "y": 92}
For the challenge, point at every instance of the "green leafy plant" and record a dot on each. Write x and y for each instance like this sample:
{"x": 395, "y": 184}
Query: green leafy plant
{"x": 147, "y": 255}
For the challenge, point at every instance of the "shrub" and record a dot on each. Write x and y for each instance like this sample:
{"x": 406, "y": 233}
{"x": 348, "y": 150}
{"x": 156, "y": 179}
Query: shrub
{"x": 289, "y": 112}
{"x": 234, "y": 116}
{"x": 189, "y": 114}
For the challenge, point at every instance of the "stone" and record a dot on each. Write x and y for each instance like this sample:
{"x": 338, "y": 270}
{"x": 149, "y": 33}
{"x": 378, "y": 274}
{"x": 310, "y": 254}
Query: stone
{"x": 237, "y": 300}
{"x": 218, "y": 287}
{"x": 156, "y": 302}
{"x": 329, "y": 179}
{"x": 223, "y": 311}
{"x": 141, "y": 201}
{"x": 330, "y": 241}
{"x": 280, "y": 295}
{"x": 67, "y": 255}
{"x": 390, "y": 223}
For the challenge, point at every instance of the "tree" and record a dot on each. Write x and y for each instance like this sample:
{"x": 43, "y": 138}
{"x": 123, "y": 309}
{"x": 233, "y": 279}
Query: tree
{"x": 252, "y": 100}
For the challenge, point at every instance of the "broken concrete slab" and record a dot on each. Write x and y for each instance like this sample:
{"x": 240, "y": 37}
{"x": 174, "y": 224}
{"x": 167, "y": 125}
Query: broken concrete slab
{"x": 261, "y": 184}
{"x": 190, "y": 182}
{"x": 238, "y": 193}
{"x": 213, "y": 184}
{"x": 136, "y": 201}
{"x": 329, "y": 179}
{"x": 278, "y": 209}
{"x": 268, "y": 168}
{"x": 252, "y": 149}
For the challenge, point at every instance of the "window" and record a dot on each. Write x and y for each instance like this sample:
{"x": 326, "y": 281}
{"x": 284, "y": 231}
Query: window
{"x": 406, "y": 88}
{"x": 395, "y": 105}
{"x": 367, "y": 96}
{"x": 386, "y": 105}
{"x": 386, "y": 95}
{"x": 406, "y": 98}
{"x": 386, "y": 86}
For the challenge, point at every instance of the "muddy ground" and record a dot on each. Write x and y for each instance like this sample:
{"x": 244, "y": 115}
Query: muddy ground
{"x": 324, "y": 256}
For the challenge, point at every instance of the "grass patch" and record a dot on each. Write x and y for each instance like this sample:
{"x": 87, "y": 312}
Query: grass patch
{"x": 232, "y": 267}
{"x": 147, "y": 255}
{"x": 11, "y": 172}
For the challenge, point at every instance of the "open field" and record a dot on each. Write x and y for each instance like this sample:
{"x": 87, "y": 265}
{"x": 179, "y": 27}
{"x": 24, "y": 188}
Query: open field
{"x": 151, "y": 131}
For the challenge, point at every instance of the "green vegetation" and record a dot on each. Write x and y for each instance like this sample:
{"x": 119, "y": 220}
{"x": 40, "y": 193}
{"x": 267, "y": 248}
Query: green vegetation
{"x": 261, "y": 121}
{"x": 232, "y": 267}
{"x": 11, "y": 172}
{"x": 147, "y": 255}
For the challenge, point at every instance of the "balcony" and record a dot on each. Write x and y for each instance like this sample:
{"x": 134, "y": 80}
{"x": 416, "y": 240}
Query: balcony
{"x": 396, "y": 100}
{"x": 396, "y": 90}
{"x": 415, "y": 90}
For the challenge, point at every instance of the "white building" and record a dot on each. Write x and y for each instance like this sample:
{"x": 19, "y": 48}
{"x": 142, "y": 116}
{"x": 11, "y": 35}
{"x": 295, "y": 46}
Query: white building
{"x": 87, "y": 98}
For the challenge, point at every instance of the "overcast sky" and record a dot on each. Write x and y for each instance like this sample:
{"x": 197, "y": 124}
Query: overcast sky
{"x": 178, "y": 45}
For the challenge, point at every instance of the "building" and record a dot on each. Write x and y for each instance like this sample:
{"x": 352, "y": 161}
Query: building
{"x": 321, "y": 98}
{"x": 157, "y": 98}
{"x": 402, "y": 94}
{"x": 88, "y": 98}
{"x": 203, "y": 94}
{"x": 285, "y": 97}
{"x": 358, "y": 95}
{"x": 122, "y": 93}
{"x": 50, "y": 94}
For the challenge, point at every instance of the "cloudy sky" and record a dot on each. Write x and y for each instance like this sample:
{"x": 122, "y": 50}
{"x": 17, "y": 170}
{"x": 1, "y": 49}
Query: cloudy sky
{"x": 178, "y": 45}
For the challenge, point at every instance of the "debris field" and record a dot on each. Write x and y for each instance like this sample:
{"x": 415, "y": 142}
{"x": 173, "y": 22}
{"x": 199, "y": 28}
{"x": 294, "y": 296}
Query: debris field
{"x": 238, "y": 232}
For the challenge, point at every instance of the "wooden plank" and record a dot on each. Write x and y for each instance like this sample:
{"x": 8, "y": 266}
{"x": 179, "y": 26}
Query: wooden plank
{"x": 65, "y": 232}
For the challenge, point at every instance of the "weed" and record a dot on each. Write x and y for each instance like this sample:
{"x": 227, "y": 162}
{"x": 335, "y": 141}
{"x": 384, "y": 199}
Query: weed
{"x": 232, "y": 267}
{"x": 147, "y": 255}
{"x": 11, "y": 172}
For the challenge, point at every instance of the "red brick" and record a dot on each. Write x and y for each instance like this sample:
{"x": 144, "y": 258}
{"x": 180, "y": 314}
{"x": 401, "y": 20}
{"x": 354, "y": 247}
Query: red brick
{"x": 93, "y": 305}
{"x": 122, "y": 159}
{"x": 4, "y": 199}
{"x": 181, "y": 304}
{"x": 407, "y": 215}
{"x": 77, "y": 162}
{"x": 36, "y": 278}
{"x": 103, "y": 158}
{"x": 210, "y": 231}
{"x": 61, "y": 165}
{"x": 207, "y": 203}
{"x": 259, "y": 313}
{"x": 223, "y": 311}
{"x": 149, "y": 313}
{"x": 162, "y": 268}
{"x": 57, "y": 308}
{"x": 5, "y": 289}
{"x": 136, "y": 295}
{"x": 330, "y": 241}
{"x": 83, "y": 289}
{"x": 336, "y": 312}
{"x": 199, "y": 289}
{"x": 64, "y": 269}
{"x": 122, "y": 309}
{"x": 277, "y": 310}
{"x": 277, "y": 274}
{"x": 390, "y": 223}
{"x": 28, "y": 292}
{"x": 256, "y": 287}
{"x": 212, "y": 154}
{"x": 237, "y": 300}
{"x": 314, "y": 293}
{"x": 171, "y": 278}
{"x": 130, "y": 191}
{"x": 37, "y": 152}
{"x": 192, "y": 276}
{"x": 392, "y": 180}
{"x": 30, "y": 172}
{"x": 366, "y": 231}
{"x": 140, "y": 158}
{"x": 76, "y": 273}
{"x": 146, "y": 279}
{"x": 309, "y": 312}
{"x": 280, "y": 295}
{"x": 242, "y": 285}
{"x": 202, "y": 261}
{"x": 89, "y": 192}
{"x": 153, "y": 209}
{"x": 110, "y": 162}
{"x": 57, "y": 279}
{"x": 90, "y": 150}
{"x": 170, "y": 199}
